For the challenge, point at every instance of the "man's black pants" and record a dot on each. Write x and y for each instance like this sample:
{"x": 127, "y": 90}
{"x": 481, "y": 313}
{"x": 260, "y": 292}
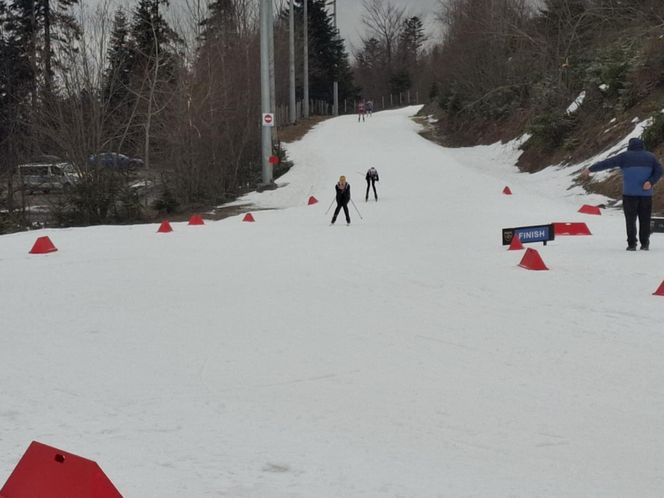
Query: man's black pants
{"x": 336, "y": 212}
{"x": 637, "y": 206}
{"x": 371, "y": 183}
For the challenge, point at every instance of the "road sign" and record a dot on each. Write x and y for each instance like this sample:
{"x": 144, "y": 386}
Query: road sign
{"x": 268, "y": 119}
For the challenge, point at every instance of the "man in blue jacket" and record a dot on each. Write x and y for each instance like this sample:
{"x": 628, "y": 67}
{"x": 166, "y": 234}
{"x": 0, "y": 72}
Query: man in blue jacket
{"x": 640, "y": 170}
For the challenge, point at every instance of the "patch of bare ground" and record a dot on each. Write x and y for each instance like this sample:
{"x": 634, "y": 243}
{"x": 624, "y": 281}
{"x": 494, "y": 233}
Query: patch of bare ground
{"x": 438, "y": 128}
{"x": 293, "y": 133}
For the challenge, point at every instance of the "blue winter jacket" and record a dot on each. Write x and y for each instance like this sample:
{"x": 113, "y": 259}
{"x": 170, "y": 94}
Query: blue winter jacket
{"x": 638, "y": 166}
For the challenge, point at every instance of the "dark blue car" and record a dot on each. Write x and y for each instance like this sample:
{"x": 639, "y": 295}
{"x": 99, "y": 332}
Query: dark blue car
{"x": 115, "y": 161}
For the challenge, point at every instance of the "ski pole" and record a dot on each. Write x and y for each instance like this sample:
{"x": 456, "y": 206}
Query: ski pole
{"x": 358, "y": 211}
{"x": 330, "y": 204}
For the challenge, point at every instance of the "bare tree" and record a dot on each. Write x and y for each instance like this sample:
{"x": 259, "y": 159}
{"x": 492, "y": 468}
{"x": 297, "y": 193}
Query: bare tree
{"x": 213, "y": 135}
{"x": 384, "y": 21}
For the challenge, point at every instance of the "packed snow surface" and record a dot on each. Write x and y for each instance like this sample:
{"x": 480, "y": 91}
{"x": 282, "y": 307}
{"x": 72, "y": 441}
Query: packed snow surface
{"x": 405, "y": 355}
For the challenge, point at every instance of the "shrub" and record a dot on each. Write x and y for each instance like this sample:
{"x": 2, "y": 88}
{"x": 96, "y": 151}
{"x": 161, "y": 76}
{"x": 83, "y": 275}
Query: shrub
{"x": 616, "y": 68}
{"x": 549, "y": 130}
{"x": 166, "y": 202}
{"x": 128, "y": 205}
{"x": 654, "y": 60}
{"x": 654, "y": 134}
{"x": 500, "y": 103}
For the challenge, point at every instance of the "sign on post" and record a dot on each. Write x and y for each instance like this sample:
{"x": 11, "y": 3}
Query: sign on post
{"x": 268, "y": 119}
{"x": 534, "y": 233}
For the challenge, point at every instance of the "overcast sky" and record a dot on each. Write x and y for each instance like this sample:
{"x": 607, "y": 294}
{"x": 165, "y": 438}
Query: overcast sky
{"x": 349, "y": 14}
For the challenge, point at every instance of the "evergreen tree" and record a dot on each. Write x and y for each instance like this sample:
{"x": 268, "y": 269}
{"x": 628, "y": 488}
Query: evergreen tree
{"x": 152, "y": 37}
{"x": 42, "y": 26}
{"x": 153, "y": 68}
{"x": 120, "y": 60}
{"x": 22, "y": 33}
{"x": 222, "y": 22}
{"x": 411, "y": 39}
{"x": 372, "y": 55}
{"x": 15, "y": 78}
{"x": 328, "y": 59}
{"x": 370, "y": 68}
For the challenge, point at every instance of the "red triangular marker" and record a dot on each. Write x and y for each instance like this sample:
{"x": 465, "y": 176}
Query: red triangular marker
{"x": 47, "y": 471}
{"x": 588, "y": 209}
{"x": 515, "y": 244}
{"x": 571, "y": 229}
{"x": 507, "y": 191}
{"x": 312, "y": 200}
{"x": 43, "y": 245}
{"x": 248, "y": 217}
{"x": 532, "y": 261}
{"x": 165, "y": 227}
{"x": 659, "y": 291}
{"x": 196, "y": 219}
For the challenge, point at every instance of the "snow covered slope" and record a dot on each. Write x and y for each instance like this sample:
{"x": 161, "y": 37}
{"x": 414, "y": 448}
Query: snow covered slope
{"x": 405, "y": 355}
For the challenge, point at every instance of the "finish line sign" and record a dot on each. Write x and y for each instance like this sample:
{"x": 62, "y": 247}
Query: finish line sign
{"x": 535, "y": 233}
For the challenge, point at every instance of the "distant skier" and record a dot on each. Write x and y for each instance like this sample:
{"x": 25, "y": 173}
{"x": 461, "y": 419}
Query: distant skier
{"x": 370, "y": 107}
{"x": 372, "y": 178}
{"x": 343, "y": 198}
{"x": 640, "y": 170}
{"x": 361, "y": 110}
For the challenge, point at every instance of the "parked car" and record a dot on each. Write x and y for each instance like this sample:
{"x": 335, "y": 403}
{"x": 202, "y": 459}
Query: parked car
{"x": 115, "y": 161}
{"x": 47, "y": 174}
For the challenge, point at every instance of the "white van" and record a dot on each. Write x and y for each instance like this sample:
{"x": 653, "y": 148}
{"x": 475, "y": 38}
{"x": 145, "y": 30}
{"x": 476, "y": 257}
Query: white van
{"x": 47, "y": 177}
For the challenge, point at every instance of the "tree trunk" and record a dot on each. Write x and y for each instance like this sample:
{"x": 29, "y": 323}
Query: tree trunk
{"x": 48, "y": 71}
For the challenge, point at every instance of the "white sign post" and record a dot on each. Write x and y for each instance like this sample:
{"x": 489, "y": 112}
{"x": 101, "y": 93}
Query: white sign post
{"x": 268, "y": 119}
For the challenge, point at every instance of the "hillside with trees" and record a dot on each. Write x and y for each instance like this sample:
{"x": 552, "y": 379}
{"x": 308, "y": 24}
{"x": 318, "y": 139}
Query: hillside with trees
{"x": 504, "y": 68}
{"x": 83, "y": 81}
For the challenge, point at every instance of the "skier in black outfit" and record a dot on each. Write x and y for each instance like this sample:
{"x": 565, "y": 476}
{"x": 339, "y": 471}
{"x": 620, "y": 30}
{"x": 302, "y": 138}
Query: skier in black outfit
{"x": 343, "y": 198}
{"x": 372, "y": 178}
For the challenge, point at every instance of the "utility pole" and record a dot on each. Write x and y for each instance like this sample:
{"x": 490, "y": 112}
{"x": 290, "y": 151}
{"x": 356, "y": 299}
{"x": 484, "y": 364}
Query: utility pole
{"x": 266, "y": 107}
{"x": 291, "y": 60}
{"x": 306, "y": 60}
{"x": 273, "y": 90}
{"x": 335, "y": 85}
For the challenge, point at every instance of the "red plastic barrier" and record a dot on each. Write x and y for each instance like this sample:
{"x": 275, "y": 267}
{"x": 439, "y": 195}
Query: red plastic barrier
{"x": 532, "y": 260}
{"x": 588, "y": 209}
{"x": 43, "y": 245}
{"x": 571, "y": 229}
{"x": 659, "y": 291}
{"x": 196, "y": 219}
{"x": 165, "y": 227}
{"x": 248, "y": 217}
{"x": 47, "y": 472}
{"x": 515, "y": 244}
